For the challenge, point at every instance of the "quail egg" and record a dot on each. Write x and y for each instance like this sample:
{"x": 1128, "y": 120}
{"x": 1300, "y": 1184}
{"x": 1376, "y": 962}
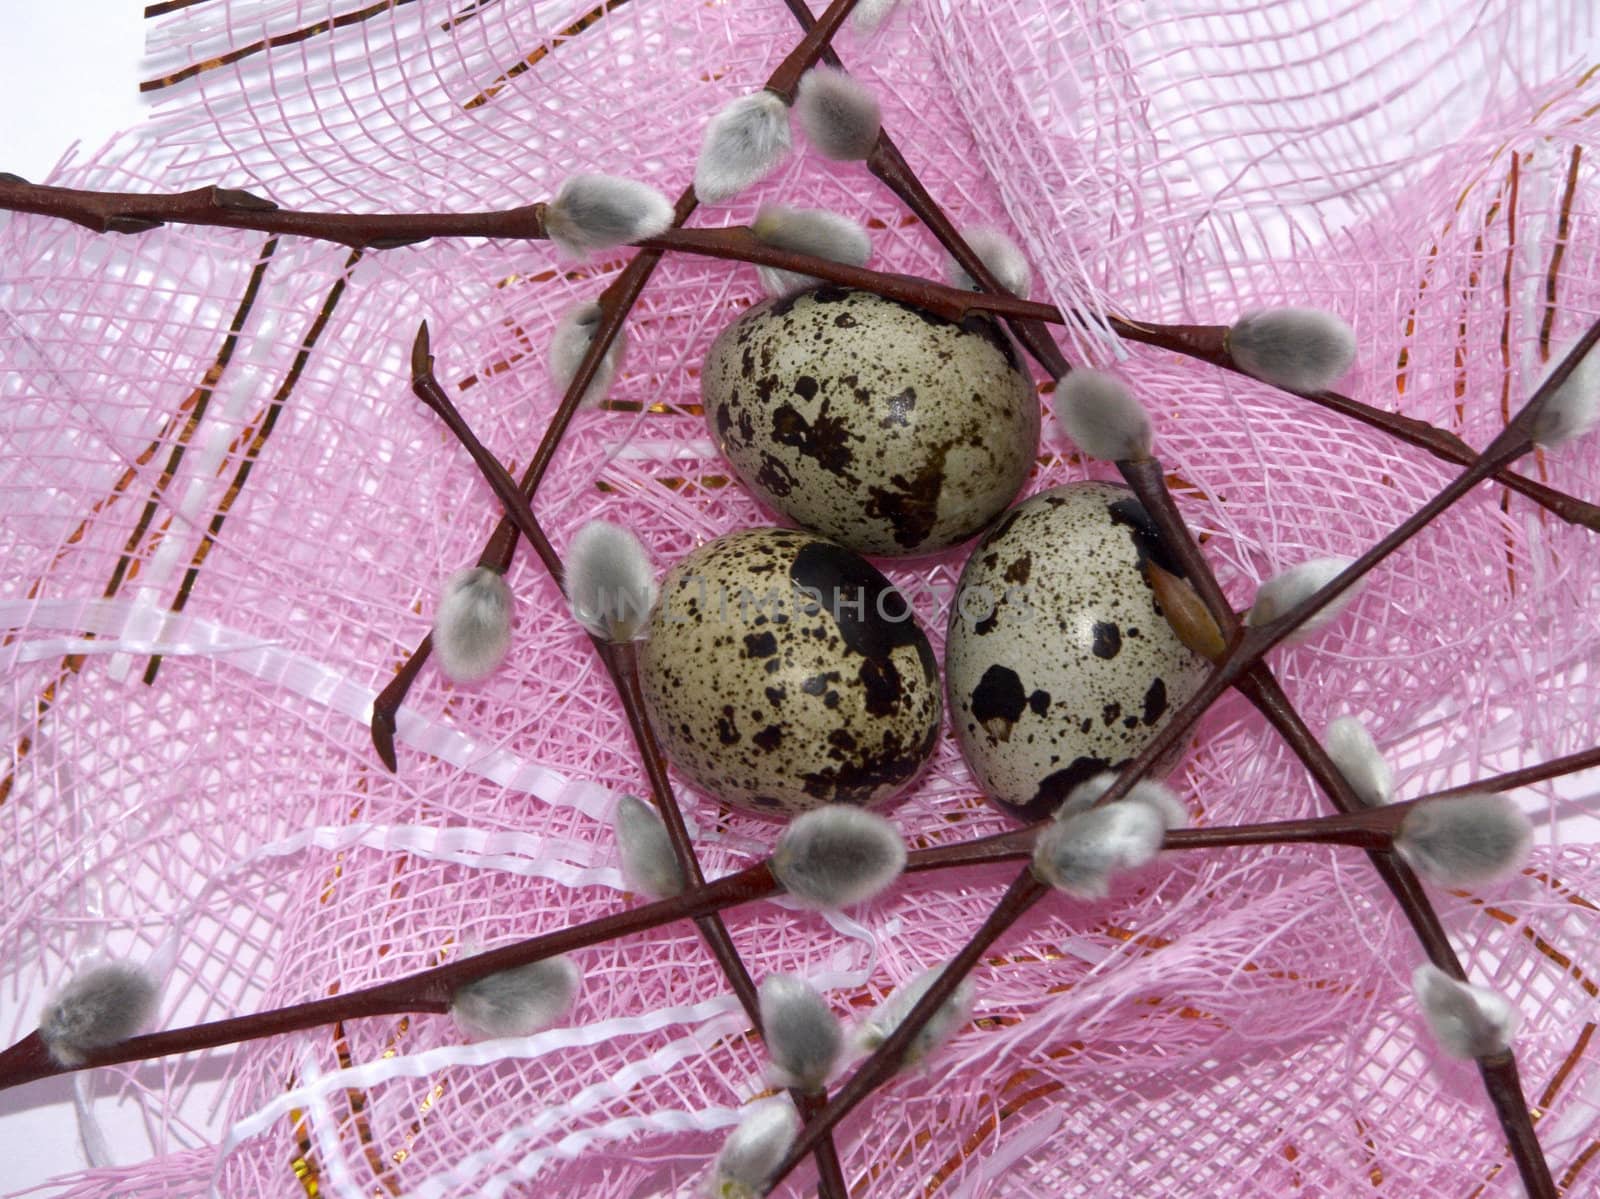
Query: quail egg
{"x": 782, "y": 672}
{"x": 1058, "y": 661}
{"x": 884, "y": 427}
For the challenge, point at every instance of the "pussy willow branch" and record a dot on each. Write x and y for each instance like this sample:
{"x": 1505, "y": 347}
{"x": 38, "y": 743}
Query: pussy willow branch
{"x": 1499, "y": 1072}
{"x": 622, "y": 661}
{"x": 1246, "y": 647}
{"x": 430, "y": 990}
{"x": 1261, "y": 687}
{"x": 884, "y": 1062}
{"x": 621, "y": 664}
{"x": 135, "y": 212}
{"x": 888, "y": 164}
{"x": 1586, "y": 759}
{"x": 615, "y": 303}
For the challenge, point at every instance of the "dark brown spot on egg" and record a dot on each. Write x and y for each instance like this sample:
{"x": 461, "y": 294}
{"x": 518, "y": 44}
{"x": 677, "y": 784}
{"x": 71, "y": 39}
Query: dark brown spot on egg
{"x": 769, "y": 738}
{"x": 880, "y": 685}
{"x": 760, "y": 645}
{"x": 805, "y": 387}
{"x": 818, "y": 683}
{"x": 1056, "y": 786}
{"x": 1020, "y": 568}
{"x": 775, "y": 476}
{"x": 860, "y": 600}
{"x": 911, "y": 504}
{"x": 1155, "y": 701}
{"x": 1107, "y": 640}
{"x": 1147, "y": 541}
{"x": 998, "y": 700}
{"x": 727, "y": 729}
{"x": 1111, "y": 712}
{"x": 825, "y": 440}
{"x": 899, "y": 408}
{"x": 854, "y": 782}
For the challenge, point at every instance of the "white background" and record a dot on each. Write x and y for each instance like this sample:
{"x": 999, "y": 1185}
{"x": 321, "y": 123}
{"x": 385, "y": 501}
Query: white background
{"x": 69, "y": 72}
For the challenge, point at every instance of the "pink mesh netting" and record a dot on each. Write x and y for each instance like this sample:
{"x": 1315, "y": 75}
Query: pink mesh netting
{"x": 227, "y": 517}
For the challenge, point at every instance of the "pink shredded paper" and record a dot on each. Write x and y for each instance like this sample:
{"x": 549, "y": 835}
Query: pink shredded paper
{"x": 226, "y": 520}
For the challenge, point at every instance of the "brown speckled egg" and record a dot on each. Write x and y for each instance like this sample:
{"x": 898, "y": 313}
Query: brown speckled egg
{"x": 875, "y": 423}
{"x": 1059, "y": 663}
{"x": 774, "y": 702}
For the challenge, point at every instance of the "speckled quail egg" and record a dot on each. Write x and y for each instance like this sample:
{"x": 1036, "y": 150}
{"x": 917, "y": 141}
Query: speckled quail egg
{"x": 875, "y": 423}
{"x": 1058, "y": 662}
{"x": 782, "y": 672}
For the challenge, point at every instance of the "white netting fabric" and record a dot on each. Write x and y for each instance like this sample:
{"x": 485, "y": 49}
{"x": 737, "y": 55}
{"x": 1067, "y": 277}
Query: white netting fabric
{"x": 227, "y": 518}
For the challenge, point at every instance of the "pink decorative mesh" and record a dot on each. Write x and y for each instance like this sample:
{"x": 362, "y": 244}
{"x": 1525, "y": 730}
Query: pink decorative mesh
{"x": 220, "y": 545}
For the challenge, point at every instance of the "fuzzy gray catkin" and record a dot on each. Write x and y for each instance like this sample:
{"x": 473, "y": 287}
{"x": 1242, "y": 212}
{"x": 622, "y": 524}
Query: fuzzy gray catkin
{"x": 599, "y": 212}
{"x": 1301, "y": 349}
{"x": 743, "y": 143}
{"x": 610, "y": 582}
{"x": 1465, "y": 840}
{"x": 98, "y": 1006}
{"x": 838, "y": 855}
{"x": 472, "y": 627}
{"x": 518, "y": 1001}
{"x": 839, "y": 115}
{"x": 802, "y": 1034}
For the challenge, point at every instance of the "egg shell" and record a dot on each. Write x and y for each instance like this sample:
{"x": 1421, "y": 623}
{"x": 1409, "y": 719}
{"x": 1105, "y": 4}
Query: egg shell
{"x": 875, "y": 423}
{"x": 774, "y": 702}
{"x": 1058, "y": 662}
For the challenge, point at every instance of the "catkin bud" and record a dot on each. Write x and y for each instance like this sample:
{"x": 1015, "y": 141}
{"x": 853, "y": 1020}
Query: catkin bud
{"x": 835, "y": 856}
{"x": 802, "y": 1034}
{"x": 840, "y": 116}
{"x": 891, "y": 1013}
{"x": 807, "y": 231}
{"x": 997, "y": 252}
{"x": 1301, "y": 349}
{"x": 1290, "y": 588}
{"x": 98, "y": 1007}
{"x": 570, "y": 342}
{"x": 1467, "y": 1021}
{"x": 598, "y": 212}
{"x": 648, "y": 862}
{"x": 1080, "y": 853}
{"x": 1464, "y": 840}
{"x": 518, "y": 1001}
{"x": 743, "y": 143}
{"x": 753, "y": 1150}
{"x": 610, "y": 581}
{"x": 1100, "y": 415}
{"x": 472, "y": 628}
{"x": 1356, "y": 755}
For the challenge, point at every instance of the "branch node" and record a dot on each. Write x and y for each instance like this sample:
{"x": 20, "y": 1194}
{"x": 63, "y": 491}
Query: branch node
{"x": 124, "y": 223}
{"x": 240, "y": 200}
